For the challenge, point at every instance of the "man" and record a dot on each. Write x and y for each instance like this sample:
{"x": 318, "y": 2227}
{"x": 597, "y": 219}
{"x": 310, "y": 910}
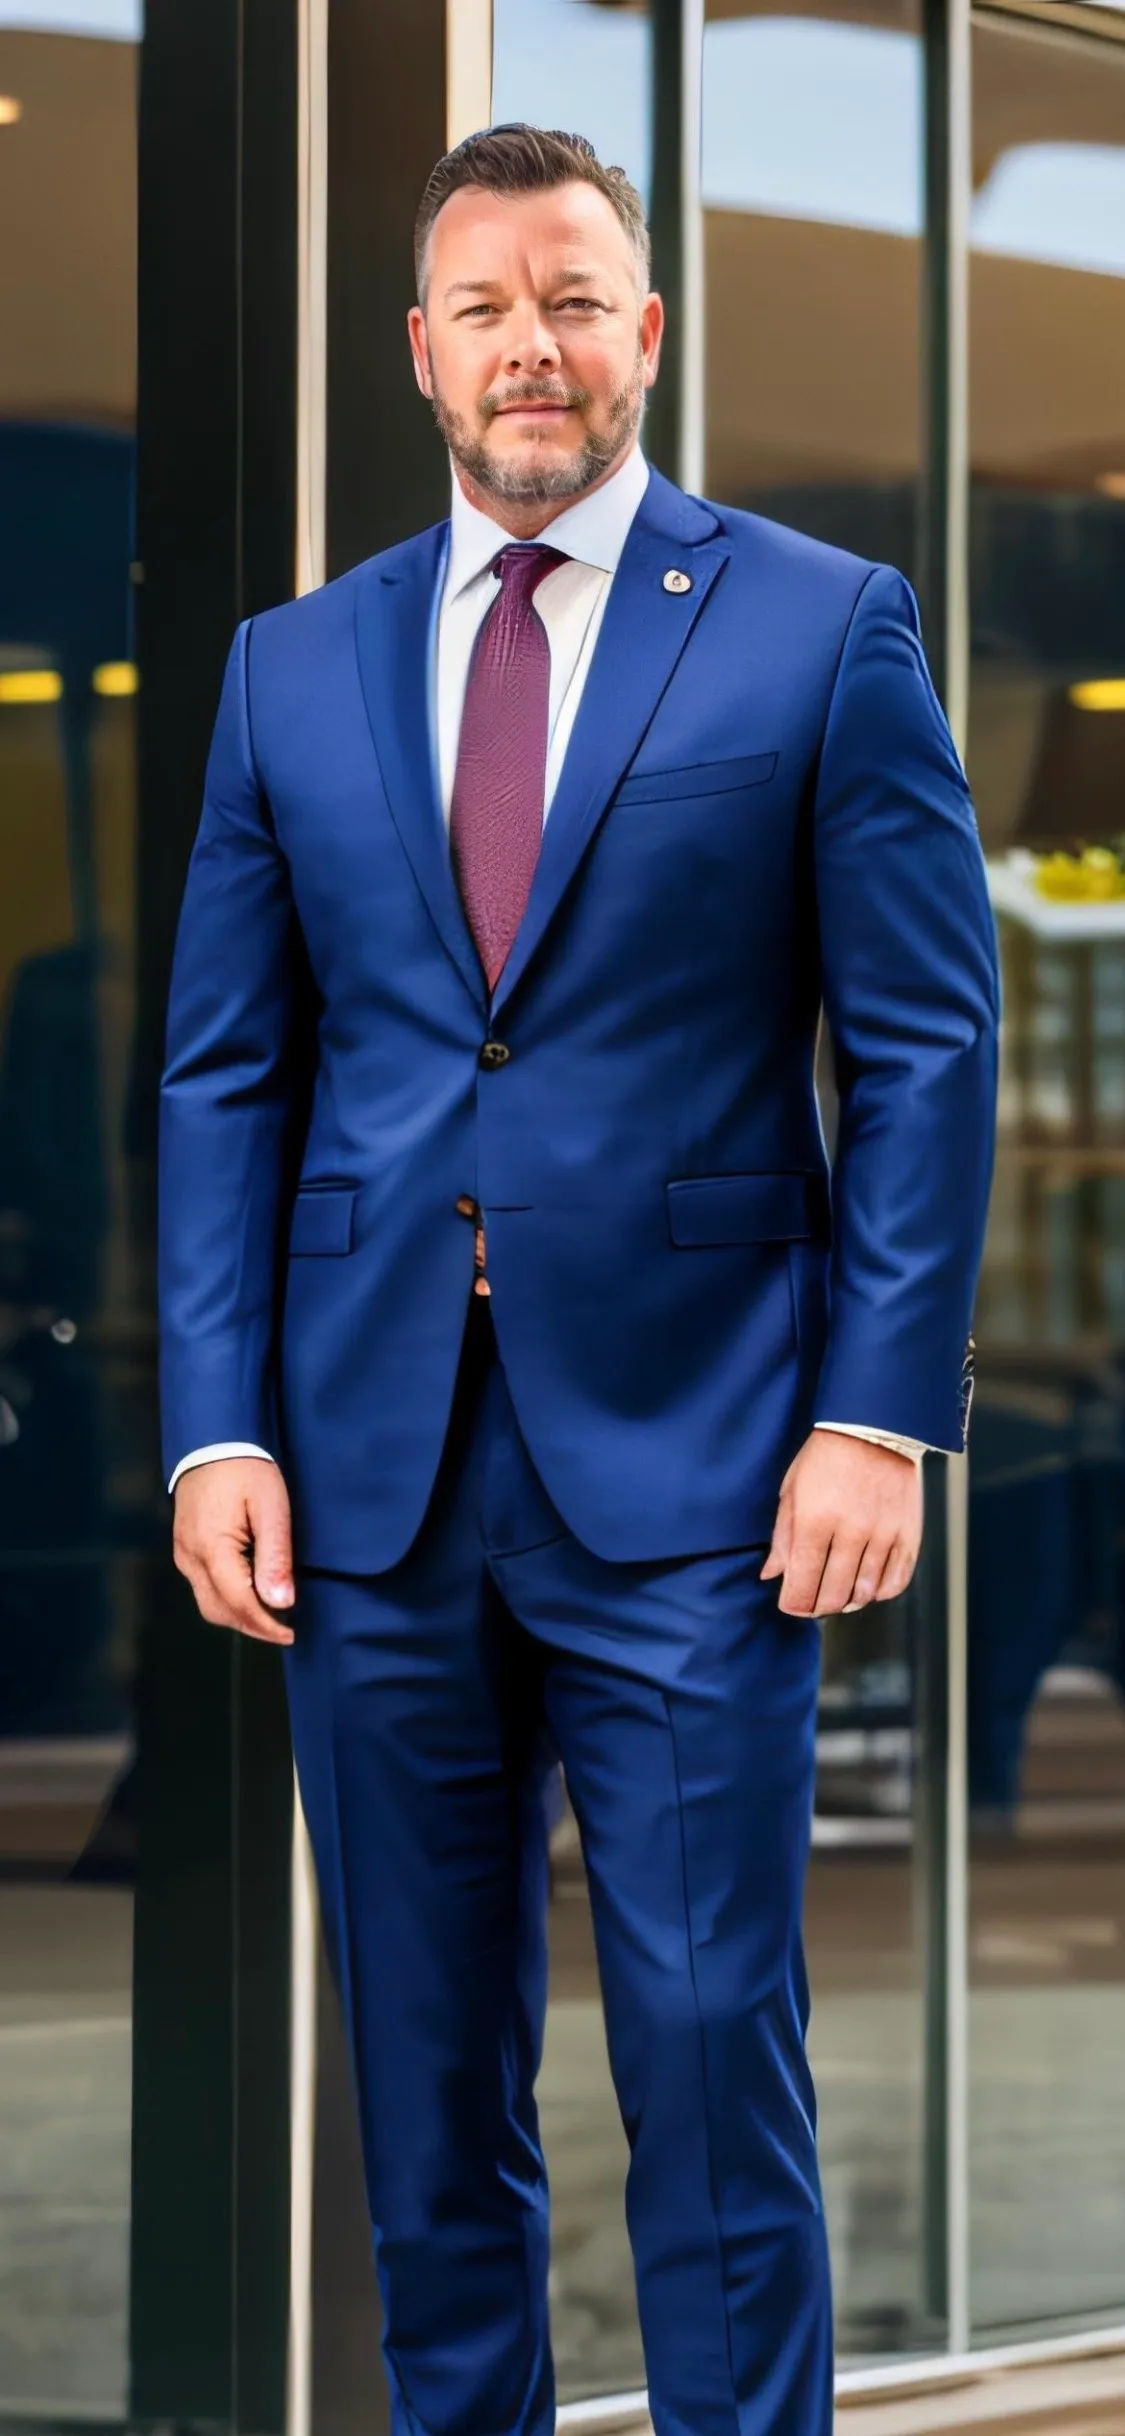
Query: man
{"x": 497, "y": 1233}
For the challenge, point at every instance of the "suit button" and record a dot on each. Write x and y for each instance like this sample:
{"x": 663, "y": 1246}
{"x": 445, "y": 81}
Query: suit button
{"x": 465, "y": 1206}
{"x": 494, "y": 1053}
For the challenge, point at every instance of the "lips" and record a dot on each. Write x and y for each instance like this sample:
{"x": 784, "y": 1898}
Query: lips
{"x": 536, "y": 406}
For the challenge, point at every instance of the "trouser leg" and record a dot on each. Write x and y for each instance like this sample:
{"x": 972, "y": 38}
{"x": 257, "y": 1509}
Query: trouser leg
{"x": 684, "y": 1707}
{"x": 415, "y": 1707}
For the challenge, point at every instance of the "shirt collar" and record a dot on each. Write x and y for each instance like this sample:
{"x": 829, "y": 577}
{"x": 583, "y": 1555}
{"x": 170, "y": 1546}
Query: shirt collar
{"x": 593, "y": 530}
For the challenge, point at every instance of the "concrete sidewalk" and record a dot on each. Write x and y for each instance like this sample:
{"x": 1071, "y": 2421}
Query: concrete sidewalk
{"x": 1073, "y": 2398}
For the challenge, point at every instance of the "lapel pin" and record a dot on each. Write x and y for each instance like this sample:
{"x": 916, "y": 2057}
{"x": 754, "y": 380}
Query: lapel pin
{"x": 677, "y": 581}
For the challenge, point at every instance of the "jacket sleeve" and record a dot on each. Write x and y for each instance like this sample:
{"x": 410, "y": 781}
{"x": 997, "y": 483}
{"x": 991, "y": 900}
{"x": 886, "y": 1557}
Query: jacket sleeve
{"x": 225, "y": 1105}
{"x": 912, "y": 1000}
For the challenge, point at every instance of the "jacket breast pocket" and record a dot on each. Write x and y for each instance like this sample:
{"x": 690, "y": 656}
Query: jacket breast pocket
{"x": 323, "y": 1222}
{"x": 692, "y": 779}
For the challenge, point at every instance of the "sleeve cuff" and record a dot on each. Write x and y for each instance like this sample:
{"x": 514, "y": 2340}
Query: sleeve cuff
{"x": 914, "y": 1447}
{"x": 216, "y": 1454}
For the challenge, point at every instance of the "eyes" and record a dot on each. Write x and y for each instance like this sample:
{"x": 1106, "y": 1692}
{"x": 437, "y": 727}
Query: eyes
{"x": 575, "y": 308}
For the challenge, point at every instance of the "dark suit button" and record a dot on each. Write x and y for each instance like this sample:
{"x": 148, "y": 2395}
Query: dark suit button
{"x": 494, "y": 1053}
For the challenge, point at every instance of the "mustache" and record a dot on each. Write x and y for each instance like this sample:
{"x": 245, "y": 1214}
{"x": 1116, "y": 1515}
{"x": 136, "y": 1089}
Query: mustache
{"x": 530, "y": 393}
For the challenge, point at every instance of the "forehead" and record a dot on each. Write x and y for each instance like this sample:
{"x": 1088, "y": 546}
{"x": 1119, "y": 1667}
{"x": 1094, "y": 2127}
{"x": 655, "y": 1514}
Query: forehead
{"x": 478, "y": 235}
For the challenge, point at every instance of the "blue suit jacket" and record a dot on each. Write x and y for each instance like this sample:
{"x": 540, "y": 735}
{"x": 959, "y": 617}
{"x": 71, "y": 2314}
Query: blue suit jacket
{"x": 760, "y": 808}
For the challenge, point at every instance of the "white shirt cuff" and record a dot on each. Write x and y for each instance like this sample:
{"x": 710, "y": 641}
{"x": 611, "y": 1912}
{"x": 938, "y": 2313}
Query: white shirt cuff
{"x": 215, "y": 1454}
{"x": 914, "y": 1447}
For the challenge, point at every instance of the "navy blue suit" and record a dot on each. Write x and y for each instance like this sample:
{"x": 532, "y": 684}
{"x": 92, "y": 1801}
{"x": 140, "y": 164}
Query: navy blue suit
{"x": 558, "y": 1521}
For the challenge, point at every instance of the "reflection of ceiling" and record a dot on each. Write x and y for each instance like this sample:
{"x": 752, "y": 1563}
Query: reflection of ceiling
{"x": 812, "y": 360}
{"x": 1032, "y": 85}
{"x": 68, "y": 208}
{"x": 812, "y": 353}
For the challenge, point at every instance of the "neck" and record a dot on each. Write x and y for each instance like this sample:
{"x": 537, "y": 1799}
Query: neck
{"x": 526, "y": 519}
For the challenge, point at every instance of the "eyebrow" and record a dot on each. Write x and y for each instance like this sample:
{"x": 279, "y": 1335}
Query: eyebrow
{"x": 581, "y": 276}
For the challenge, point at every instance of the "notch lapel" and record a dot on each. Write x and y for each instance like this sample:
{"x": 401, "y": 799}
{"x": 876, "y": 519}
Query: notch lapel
{"x": 643, "y": 633}
{"x": 396, "y": 605}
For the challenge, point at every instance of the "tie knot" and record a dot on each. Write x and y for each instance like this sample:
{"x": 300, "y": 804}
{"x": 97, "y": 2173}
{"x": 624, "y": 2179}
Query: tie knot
{"x": 524, "y": 565}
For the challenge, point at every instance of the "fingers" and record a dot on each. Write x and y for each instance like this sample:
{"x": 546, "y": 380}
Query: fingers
{"x": 271, "y": 1532}
{"x": 223, "y": 1511}
{"x": 898, "y": 1572}
{"x": 229, "y": 1597}
{"x": 848, "y": 1527}
{"x": 782, "y": 1540}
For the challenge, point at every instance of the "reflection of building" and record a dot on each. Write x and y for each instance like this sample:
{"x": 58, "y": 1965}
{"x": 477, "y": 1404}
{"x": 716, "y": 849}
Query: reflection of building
{"x": 812, "y": 374}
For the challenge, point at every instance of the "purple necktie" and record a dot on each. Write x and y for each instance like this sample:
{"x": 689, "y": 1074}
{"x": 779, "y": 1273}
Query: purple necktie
{"x": 496, "y": 816}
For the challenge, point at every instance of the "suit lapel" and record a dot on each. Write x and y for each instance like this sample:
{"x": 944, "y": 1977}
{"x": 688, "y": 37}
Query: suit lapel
{"x": 396, "y": 604}
{"x": 643, "y": 632}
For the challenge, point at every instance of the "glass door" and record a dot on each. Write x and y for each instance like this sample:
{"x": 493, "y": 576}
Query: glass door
{"x": 812, "y": 187}
{"x": 1047, "y": 1585}
{"x": 75, "y": 1343}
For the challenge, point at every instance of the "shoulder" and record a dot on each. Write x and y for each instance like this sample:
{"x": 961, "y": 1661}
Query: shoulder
{"x": 780, "y": 552}
{"x": 320, "y": 616}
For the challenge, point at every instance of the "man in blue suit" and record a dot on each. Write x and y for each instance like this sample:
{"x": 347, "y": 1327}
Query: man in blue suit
{"x": 499, "y": 1237}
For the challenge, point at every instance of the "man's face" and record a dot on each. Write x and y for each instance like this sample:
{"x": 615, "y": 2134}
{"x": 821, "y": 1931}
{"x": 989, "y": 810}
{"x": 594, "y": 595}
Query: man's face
{"x": 535, "y": 346}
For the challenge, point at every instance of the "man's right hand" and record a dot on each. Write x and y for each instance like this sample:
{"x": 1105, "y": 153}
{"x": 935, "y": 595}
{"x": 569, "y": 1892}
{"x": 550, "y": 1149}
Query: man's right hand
{"x": 232, "y": 1538}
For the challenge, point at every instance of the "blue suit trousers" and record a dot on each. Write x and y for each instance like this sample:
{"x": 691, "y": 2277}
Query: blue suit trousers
{"x": 427, "y": 1705}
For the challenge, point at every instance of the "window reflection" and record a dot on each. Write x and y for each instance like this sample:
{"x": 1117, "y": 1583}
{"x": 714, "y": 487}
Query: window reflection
{"x": 580, "y": 65}
{"x": 812, "y": 185}
{"x": 75, "y": 1489}
{"x": 813, "y": 197}
{"x": 1047, "y": 762}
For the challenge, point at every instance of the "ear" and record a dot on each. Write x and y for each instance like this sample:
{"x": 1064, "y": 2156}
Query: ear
{"x": 420, "y": 350}
{"x": 652, "y": 334}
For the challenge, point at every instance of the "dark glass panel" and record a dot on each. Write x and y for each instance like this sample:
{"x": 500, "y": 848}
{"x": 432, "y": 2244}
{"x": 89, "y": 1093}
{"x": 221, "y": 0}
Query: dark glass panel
{"x": 1047, "y": 761}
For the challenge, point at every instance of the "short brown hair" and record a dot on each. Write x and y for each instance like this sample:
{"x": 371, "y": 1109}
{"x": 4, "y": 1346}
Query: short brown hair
{"x": 522, "y": 160}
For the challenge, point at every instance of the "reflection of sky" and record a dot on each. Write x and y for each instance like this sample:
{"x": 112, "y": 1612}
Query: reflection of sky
{"x": 114, "y": 20}
{"x": 806, "y": 119}
{"x": 561, "y": 63}
{"x": 1056, "y": 203}
{"x": 813, "y": 120}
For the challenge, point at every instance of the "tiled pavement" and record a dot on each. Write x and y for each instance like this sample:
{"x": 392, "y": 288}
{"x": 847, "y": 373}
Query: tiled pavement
{"x": 1049, "y": 2167}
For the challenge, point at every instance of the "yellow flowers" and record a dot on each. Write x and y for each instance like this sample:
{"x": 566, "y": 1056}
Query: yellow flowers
{"x": 1092, "y": 876}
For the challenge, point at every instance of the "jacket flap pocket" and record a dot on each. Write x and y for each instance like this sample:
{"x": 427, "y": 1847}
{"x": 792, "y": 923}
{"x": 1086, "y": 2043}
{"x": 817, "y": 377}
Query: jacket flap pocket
{"x": 756, "y": 1208}
{"x": 323, "y": 1217}
{"x": 697, "y": 778}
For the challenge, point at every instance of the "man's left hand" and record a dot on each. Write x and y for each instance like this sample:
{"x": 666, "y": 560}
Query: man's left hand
{"x": 849, "y": 1525}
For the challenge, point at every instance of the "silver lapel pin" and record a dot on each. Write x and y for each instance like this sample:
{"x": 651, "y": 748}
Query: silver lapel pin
{"x": 677, "y": 581}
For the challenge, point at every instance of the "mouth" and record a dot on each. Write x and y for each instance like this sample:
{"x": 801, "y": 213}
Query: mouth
{"x": 545, "y": 413}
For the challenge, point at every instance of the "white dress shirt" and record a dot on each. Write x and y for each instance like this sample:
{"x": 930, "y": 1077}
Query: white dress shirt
{"x": 571, "y": 602}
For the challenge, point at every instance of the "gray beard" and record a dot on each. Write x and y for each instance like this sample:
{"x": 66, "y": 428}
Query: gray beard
{"x": 534, "y": 487}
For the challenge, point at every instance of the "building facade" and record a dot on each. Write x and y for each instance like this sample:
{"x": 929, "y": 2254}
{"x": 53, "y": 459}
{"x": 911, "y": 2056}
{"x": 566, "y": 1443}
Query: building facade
{"x": 892, "y": 238}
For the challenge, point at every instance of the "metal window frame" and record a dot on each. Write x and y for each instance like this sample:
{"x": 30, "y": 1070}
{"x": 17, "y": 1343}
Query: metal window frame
{"x": 309, "y": 572}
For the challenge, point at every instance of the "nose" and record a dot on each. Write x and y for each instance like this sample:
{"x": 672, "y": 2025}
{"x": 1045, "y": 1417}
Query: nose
{"x": 530, "y": 344}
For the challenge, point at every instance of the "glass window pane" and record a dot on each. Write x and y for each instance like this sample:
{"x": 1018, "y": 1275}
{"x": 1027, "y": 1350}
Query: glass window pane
{"x": 75, "y": 1496}
{"x": 812, "y": 187}
{"x": 812, "y": 190}
{"x": 1047, "y": 763}
{"x": 579, "y": 65}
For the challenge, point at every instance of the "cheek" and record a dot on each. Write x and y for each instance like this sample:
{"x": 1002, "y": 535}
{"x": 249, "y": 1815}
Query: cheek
{"x": 462, "y": 371}
{"x": 602, "y": 364}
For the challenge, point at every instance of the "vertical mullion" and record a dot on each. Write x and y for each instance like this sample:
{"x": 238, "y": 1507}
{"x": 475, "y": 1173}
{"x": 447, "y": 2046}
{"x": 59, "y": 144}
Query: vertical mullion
{"x": 944, "y": 587}
{"x": 309, "y": 572}
{"x": 693, "y": 368}
{"x": 468, "y": 68}
{"x": 674, "y": 421}
{"x": 959, "y": 203}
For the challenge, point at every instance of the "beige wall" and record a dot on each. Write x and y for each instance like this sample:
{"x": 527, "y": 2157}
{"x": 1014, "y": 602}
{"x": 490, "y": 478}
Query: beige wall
{"x": 68, "y": 213}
